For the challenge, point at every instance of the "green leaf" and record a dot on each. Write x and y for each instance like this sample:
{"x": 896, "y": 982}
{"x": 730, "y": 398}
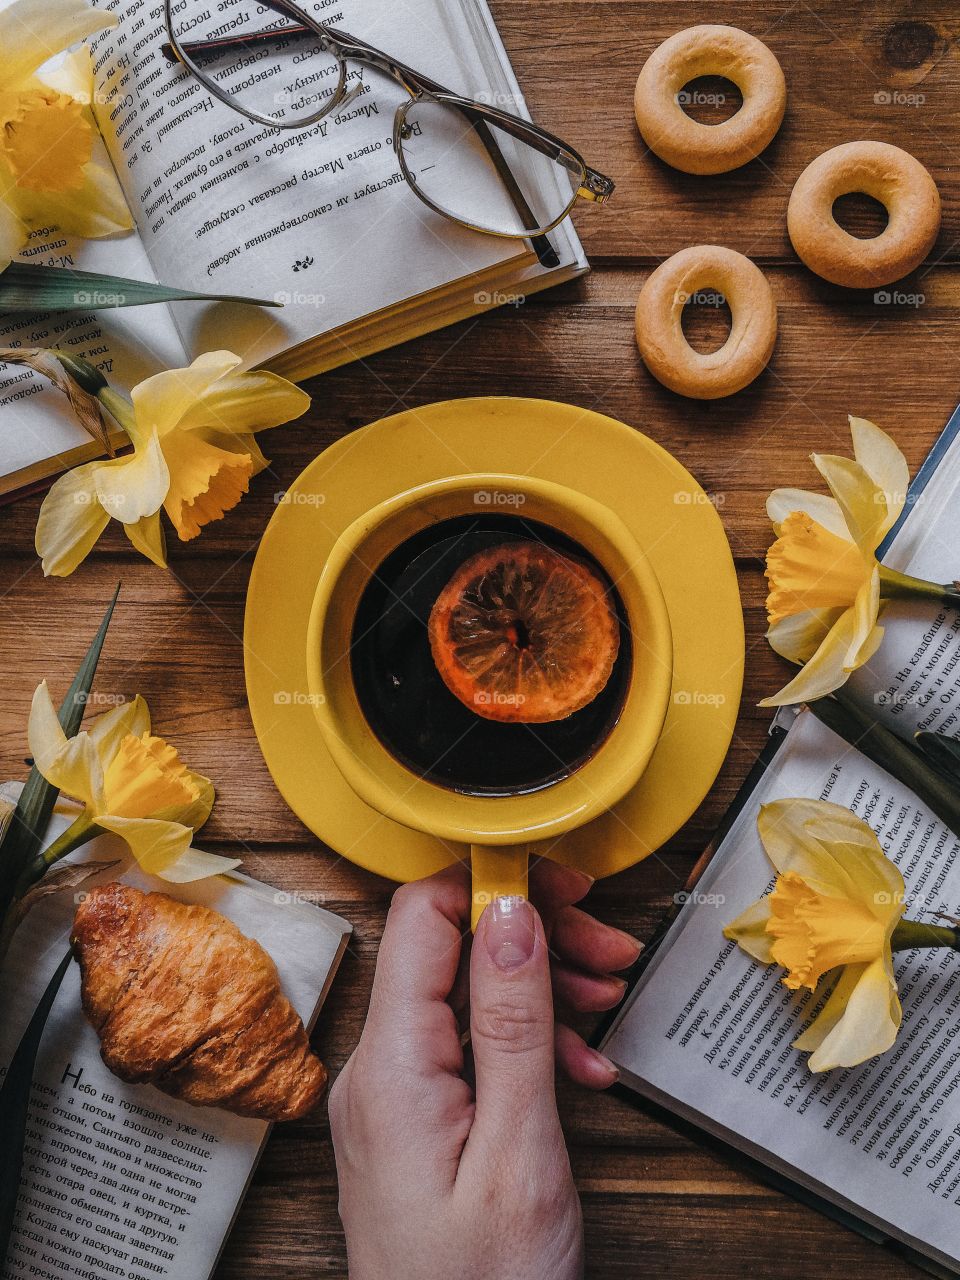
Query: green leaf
{"x": 942, "y": 752}
{"x": 15, "y": 1106}
{"x": 903, "y": 760}
{"x": 32, "y": 814}
{"x": 29, "y": 287}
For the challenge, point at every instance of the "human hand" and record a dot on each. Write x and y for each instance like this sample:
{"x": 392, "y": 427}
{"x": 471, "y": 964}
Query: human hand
{"x": 437, "y": 1178}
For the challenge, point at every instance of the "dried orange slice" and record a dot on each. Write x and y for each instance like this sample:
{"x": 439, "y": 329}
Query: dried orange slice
{"x": 522, "y": 633}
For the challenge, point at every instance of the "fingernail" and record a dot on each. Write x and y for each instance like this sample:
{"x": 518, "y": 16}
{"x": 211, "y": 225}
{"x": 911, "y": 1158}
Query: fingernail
{"x": 510, "y": 932}
{"x": 634, "y": 942}
{"x": 605, "y": 1063}
{"x": 588, "y": 881}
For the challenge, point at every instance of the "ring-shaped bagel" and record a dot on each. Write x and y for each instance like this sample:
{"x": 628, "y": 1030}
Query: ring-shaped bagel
{"x": 888, "y": 174}
{"x": 709, "y": 50}
{"x": 753, "y": 330}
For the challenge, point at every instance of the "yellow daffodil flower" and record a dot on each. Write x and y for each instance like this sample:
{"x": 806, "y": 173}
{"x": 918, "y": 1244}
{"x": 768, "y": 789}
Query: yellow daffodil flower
{"x": 826, "y": 586}
{"x": 836, "y": 904}
{"x": 194, "y": 453}
{"x": 129, "y": 782}
{"x": 48, "y": 173}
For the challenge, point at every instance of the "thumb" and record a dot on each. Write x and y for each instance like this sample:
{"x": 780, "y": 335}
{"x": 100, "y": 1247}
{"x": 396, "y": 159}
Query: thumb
{"x": 511, "y": 1021}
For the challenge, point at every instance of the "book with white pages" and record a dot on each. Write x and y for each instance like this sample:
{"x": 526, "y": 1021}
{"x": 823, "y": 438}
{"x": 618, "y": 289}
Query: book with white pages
{"x": 120, "y": 1179}
{"x": 704, "y": 1034}
{"x": 319, "y": 218}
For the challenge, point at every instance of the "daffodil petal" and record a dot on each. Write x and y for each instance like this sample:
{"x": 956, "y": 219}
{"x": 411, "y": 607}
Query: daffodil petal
{"x": 244, "y": 402}
{"x": 868, "y": 1025}
{"x": 866, "y": 634}
{"x": 32, "y": 31}
{"x": 854, "y": 845}
{"x": 73, "y": 75}
{"x": 71, "y": 764}
{"x": 826, "y": 511}
{"x": 800, "y": 636}
{"x": 109, "y": 730}
{"x": 70, "y": 522}
{"x": 147, "y": 536}
{"x": 44, "y": 730}
{"x": 194, "y": 864}
{"x": 883, "y": 462}
{"x": 195, "y": 815}
{"x": 827, "y": 669}
{"x": 784, "y": 830}
{"x": 832, "y": 1011}
{"x": 134, "y": 486}
{"x": 241, "y": 443}
{"x": 96, "y": 210}
{"x": 162, "y": 401}
{"x": 155, "y": 844}
{"x": 749, "y": 931}
{"x": 862, "y": 502}
{"x": 13, "y": 231}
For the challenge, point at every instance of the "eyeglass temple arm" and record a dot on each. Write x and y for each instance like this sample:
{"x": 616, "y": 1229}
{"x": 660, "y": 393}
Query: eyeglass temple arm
{"x": 361, "y": 51}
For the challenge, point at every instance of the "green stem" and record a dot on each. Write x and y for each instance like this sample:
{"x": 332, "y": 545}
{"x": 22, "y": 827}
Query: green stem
{"x": 901, "y": 586}
{"x": 120, "y": 407}
{"x": 77, "y": 834}
{"x": 841, "y": 713}
{"x": 82, "y": 372}
{"x": 912, "y": 934}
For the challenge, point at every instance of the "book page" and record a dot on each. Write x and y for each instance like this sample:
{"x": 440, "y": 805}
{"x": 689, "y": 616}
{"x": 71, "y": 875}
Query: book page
{"x": 709, "y": 1031}
{"x": 118, "y": 1179}
{"x": 914, "y": 679}
{"x": 126, "y": 344}
{"x": 321, "y": 217}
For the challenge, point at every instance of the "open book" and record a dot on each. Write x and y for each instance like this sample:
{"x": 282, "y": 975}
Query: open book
{"x": 318, "y": 218}
{"x": 119, "y": 1179}
{"x": 706, "y": 1033}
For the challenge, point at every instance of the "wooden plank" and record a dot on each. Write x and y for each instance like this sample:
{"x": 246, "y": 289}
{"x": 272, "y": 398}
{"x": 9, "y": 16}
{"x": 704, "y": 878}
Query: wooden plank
{"x": 578, "y": 64}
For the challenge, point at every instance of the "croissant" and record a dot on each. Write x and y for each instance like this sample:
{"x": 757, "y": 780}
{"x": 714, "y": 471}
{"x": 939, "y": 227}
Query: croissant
{"x": 181, "y": 999}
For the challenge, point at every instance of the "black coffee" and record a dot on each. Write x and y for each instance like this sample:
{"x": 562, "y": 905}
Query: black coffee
{"x": 405, "y": 700}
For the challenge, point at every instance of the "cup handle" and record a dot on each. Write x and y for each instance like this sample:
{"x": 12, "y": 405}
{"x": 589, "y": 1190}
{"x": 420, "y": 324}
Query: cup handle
{"x": 498, "y": 871}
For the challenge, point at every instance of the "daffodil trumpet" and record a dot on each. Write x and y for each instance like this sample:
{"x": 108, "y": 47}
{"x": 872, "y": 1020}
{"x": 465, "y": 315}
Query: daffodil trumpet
{"x": 193, "y": 455}
{"x": 50, "y": 172}
{"x": 827, "y": 589}
{"x": 833, "y": 922}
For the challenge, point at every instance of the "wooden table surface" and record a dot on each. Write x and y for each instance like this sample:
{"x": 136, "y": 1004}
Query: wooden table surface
{"x": 654, "y": 1203}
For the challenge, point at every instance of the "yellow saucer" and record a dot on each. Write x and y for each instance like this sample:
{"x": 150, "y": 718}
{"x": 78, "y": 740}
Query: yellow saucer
{"x": 659, "y": 501}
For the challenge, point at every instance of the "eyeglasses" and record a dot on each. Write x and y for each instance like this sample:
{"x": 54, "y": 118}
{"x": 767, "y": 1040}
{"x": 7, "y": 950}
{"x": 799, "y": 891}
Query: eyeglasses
{"x": 473, "y": 163}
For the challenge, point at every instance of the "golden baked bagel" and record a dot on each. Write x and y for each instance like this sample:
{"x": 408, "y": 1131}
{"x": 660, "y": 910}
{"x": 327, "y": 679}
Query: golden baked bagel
{"x": 753, "y": 330}
{"x": 709, "y": 50}
{"x": 181, "y": 999}
{"x": 888, "y": 174}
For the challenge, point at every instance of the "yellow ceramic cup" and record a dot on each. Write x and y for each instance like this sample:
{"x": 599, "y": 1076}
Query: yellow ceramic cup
{"x": 499, "y": 828}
